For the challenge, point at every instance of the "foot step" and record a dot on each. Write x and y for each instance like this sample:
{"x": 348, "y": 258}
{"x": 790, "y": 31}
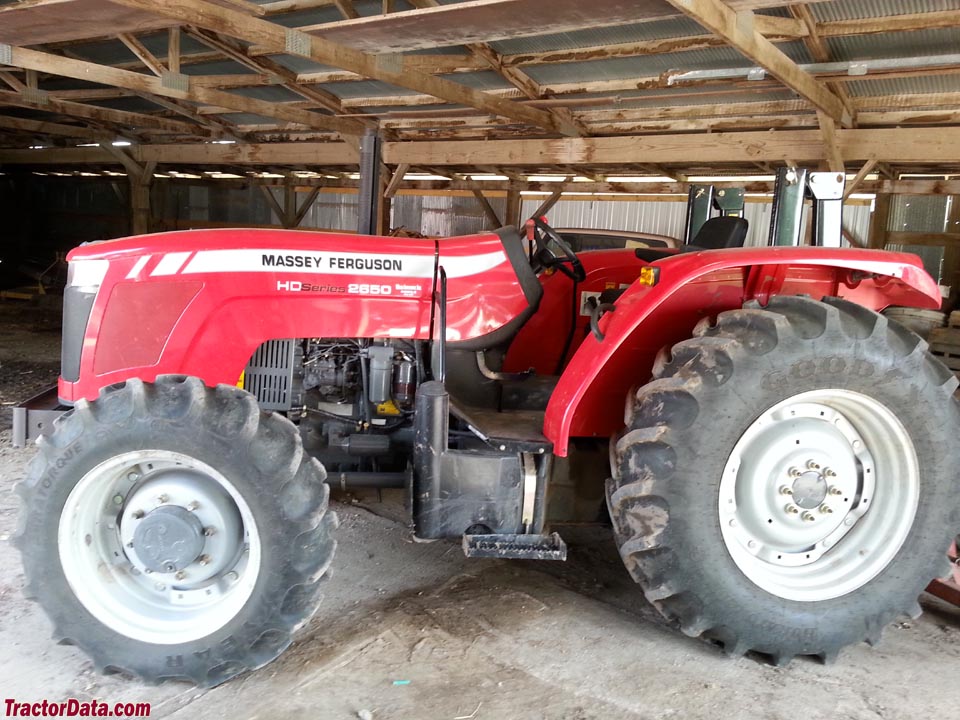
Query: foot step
{"x": 515, "y": 547}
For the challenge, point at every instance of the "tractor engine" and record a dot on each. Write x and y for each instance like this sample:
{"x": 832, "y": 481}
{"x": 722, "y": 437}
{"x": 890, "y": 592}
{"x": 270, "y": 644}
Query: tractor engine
{"x": 352, "y": 398}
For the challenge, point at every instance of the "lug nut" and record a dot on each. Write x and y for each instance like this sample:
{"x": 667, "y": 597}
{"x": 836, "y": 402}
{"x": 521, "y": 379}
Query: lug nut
{"x": 180, "y": 575}
{"x": 133, "y": 476}
{"x": 192, "y": 507}
{"x": 162, "y": 498}
{"x": 232, "y": 576}
{"x": 813, "y": 465}
{"x": 794, "y": 472}
{"x": 826, "y": 509}
{"x": 137, "y": 514}
{"x": 204, "y": 560}
{"x": 808, "y": 516}
{"x": 791, "y": 509}
{"x": 829, "y": 473}
{"x": 784, "y": 490}
{"x": 208, "y": 531}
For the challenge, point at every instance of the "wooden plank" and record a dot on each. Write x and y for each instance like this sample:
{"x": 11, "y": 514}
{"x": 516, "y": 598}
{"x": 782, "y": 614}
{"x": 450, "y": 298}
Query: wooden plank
{"x": 323, "y": 50}
{"x": 50, "y": 128}
{"x": 141, "y": 52}
{"x": 492, "y": 218}
{"x": 135, "y": 121}
{"x": 395, "y": 180}
{"x": 92, "y": 72}
{"x": 858, "y": 179}
{"x": 37, "y": 23}
{"x": 740, "y": 31}
{"x": 878, "y": 221}
{"x": 484, "y": 21}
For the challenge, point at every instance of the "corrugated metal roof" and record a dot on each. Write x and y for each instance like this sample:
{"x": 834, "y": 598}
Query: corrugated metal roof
{"x": 854, "y": 9}
{"x": 650, "y": 65}
{"x": 892, "y": 45}
{"x": 637, "y": 32}
{"x": 905, "y": 86}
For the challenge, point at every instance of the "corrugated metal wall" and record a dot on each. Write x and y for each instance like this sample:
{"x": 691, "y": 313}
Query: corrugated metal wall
{"x": 921, "y": 213}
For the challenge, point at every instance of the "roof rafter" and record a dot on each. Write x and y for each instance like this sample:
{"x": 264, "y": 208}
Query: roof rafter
{"x": 92, "y": 72}
{"x": 739, "y": 30}
{"x": 390, "y": 69}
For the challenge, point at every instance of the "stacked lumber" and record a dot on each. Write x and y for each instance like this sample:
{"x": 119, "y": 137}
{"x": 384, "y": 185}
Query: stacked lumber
{"x": 945, "y": 343}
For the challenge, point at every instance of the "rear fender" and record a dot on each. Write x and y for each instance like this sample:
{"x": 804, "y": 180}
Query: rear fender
{"x": 589, "y": 399}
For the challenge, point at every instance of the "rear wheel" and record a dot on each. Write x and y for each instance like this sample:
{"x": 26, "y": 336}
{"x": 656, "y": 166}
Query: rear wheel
{"x": 174, "y": 531}
{"x": 784, "y": 484}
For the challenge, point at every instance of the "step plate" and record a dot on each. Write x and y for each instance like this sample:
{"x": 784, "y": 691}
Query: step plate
{"x": 515, "y": 547}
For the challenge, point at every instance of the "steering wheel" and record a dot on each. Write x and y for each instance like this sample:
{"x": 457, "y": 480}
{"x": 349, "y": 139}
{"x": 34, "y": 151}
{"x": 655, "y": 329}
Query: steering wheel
{"x": 569, "y": 265}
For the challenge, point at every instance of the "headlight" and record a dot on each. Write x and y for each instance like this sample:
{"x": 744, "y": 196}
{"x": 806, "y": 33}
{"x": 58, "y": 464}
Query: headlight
{"x": 86, "y": 273}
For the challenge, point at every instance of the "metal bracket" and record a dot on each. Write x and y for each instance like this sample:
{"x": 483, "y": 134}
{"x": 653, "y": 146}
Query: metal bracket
{"x": 827, "y": 191}
{"x": 859, "y": 68}
{"x": 175, "y": 81}
{"x": 296, "y": 42}
{"x": 35, "y": 95}
{"x": 699, "y": 205}
{"x": 6, "y": 54}
{"x": 756, "y": 73}
{"x": 730, "y": 201}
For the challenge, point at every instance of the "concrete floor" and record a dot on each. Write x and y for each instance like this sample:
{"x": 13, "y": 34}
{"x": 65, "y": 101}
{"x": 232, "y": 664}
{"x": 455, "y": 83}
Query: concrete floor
{"x": 473, "y": 638}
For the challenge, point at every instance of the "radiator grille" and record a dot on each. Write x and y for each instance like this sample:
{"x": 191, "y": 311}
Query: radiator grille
{"x": 269, "y": 374}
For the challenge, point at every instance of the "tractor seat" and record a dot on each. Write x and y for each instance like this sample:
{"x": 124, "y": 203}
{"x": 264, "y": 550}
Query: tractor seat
{"x": 718, "y": 233}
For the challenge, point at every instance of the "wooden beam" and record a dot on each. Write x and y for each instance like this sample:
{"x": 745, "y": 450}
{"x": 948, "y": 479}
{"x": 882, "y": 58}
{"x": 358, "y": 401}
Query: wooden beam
{"x": 12, "y": 80}
{"x": 908, "y": 22}
{"x": 859, "y": 177}
{"x": 278, "y": 211}
{"x": 828, "y": 131}
{"x": 135, "y": 121}
{"x": 395, "y": 180}
{"x": 739, "y": 30}
{"x": 141, "y": 52}
{"x": 346, "y": 9}
{"x": 878, "y": 221}
{"x": 92, "y": 72}
{"x": 307, "y": 204}
{"x": 320, "y": 49}
{"x": 270, "y": 69}
{"x": 50, "y": 128}
{"x": 514, "y": 206}
{"x": 820, "y": 51}
{"x": 550, "y": 201}
{"x": 492, "y": 218}
{"x": 173, "y": 49}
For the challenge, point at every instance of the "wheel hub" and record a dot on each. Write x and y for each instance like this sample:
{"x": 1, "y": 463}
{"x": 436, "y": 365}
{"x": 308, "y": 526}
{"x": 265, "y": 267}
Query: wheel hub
{"x": 168, "y": 539}
{"x": 797, "y": 491}
{"x": 159, "y": 546}
{"x": 810, "y": 490}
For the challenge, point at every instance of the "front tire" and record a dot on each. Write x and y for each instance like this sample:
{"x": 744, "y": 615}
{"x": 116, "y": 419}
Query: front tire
{"x": 174, "y": 531}
{"x": 785, "y": 484}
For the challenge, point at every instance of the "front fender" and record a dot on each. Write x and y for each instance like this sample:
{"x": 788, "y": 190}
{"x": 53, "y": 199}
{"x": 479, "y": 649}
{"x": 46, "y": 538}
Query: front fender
{"x": 589, "y": 399}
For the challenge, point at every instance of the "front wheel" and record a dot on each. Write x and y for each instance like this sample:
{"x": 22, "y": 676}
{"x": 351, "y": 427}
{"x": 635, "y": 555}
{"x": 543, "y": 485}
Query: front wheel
{"x": 785, "y": 483}
{"x": 172, "y": 530}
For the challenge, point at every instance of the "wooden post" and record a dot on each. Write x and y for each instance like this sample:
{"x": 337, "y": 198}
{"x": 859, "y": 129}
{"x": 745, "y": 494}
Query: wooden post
{"x": 140, "y": 202}
{"x": 492, "y": 218}
{"x": 289, "y": 203}
{"x": 878, "y": 223}
{"x": 514, "y": 203}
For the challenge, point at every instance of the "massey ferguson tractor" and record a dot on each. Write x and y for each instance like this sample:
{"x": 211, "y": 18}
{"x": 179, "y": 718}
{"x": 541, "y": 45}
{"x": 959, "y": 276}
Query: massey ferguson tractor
{"x": 777, "y": 458}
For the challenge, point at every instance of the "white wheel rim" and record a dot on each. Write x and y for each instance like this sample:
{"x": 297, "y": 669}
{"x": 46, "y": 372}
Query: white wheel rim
{"x": 100, "y": 561}
{"x": 819, "y": 495}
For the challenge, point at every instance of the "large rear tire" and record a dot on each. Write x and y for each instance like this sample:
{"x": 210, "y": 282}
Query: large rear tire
{"x": 174, "y": 531}
{"x": 786, "y": 483}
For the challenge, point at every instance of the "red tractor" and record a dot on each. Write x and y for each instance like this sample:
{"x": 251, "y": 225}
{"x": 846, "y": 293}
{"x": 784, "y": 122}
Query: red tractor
{"x": 777, "y": 458}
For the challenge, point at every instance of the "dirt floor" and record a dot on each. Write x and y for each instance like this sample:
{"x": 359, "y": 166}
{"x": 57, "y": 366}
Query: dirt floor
{"x": 415, "y": 630}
